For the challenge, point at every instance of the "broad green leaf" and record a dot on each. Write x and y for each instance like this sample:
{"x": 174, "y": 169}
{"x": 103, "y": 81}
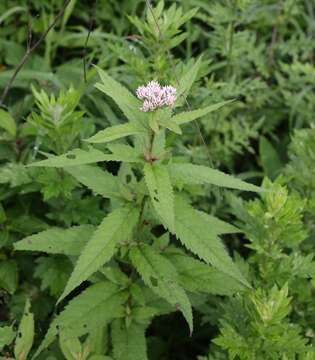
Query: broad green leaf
{"x": 161, "y": 192}
{"x": 24, "y": 340}
{"x": 114, "y": 133}
{"x": 58, "y": 241}
{"x": 117, "y": 226}
{"x": 127, "y": 102}
{"x": 8, "y": 275}
{"x": 74, "y": 158}
{"x": 196, "y": 276}
{"x": 7, "y": 335}
{"x": 129, "y": 343}
{"x": 7, "y": 122}
{"x": 94, "y": 307}
{"x": 198, "y": 236}
{"x": 160, "y": 275}
{"x": 101, "y": 182}
{"x": 198, "y": 174}
{"x": 187, "y": 116}
{"x": 100, "y": 357}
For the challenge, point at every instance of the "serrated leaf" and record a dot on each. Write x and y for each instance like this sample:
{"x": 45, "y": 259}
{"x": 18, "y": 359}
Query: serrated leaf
{"x": 198, "y": 174}
{"x": 7, "y": 335}
{"x": 196, "y": 276}
{"x": 127, "y": 102}
{"x": 161, "y": 193}
{"x": 101, "y": 182}
{"x": 198, "y": 236}
{"x": 115, "y": 227}
{"x": 24, "y": 340}
{"x": 114, "y": 133}
{"x": 74, "y": 158}
{"x": 187, "y": 116}
{"x": 129, "y": 343}
{"x": 94, "y": 307}
{"x": 220, "y": 226}
{"x": 160, "y": 276}
{"x": 58, "y": 241}
{"x": 7, "y": 122}
{"x": 186, "y": 81}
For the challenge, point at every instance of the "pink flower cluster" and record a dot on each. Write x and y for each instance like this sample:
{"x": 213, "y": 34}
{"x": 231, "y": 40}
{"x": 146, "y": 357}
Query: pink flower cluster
{"x": 155, "y": 96}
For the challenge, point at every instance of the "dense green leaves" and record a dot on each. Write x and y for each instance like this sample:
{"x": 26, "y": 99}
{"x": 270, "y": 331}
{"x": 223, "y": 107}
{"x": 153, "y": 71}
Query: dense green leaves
{"x": 7, "y": 122}
{"x": 116, "y": 227}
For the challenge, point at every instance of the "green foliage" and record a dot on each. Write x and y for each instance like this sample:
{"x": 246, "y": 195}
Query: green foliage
{"x": 117, "y": 239}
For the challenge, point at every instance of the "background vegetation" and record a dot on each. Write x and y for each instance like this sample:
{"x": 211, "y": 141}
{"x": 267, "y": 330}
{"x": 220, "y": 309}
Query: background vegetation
{"x": 258, "y": 53}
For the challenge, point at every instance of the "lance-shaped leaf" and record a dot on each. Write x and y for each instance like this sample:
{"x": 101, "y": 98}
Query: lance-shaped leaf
{"x": 187, "y": 116}
{"x": 161, "y": 192}
{"x": 24, "y": 340}
{"x": 74, "y": 158}
{"x": 196, "y": 276}
{"x": 127, "y": 102}
{"x": 199, "y": 236}
{"x": 114, "y": 133}
{"x": 58, "y": 241}
{"x": 198, "y": 174}
{"x": 129, "y": 343}
{"x": 93, "y": 308}
{"x": 117, "y": 226}
{"x": 160, "y": 275}
{"x": 100, "y": 181}
{"x": 125, "y": 153}
{"x": 7, "y": 122}
{"x": 186, "y": 81}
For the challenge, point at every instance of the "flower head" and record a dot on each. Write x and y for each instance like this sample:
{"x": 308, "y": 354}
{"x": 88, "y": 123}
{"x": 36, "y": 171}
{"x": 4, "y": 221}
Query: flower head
{"x": 154, "y": 96}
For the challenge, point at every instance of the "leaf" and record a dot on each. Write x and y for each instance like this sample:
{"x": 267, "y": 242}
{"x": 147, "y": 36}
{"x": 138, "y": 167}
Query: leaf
{"x": 196, "y": 276}
{"x": 7, "y": 122}
{"x": 71, "y": 347}
{"x": 221, "y": 227}
{"x": 124, "y": 153}
{"x": 58, "y": 241}
{"x": 73, "y": 158}
{"x": 161, "y": 193}
{"x": 129, "y": 343}
{"x": 7, "y": 335}
{"x": 160, "y": 276}
{"x": 114, "y": 133}
{"x": 101, "y": 182}
{"x": 127, "y": 102}
{"x": 24, "y": 340}
{"x": 198, "y": 174}
{"x": 198, "y": 236}
{"x": 187, "y": 116}
{"x": 94, "y": 307}
{"x": 186, "y": 81}
{"x": 269, "y": 158}
{"x": 117, "y": 226}
{"x": 8, "y": 276}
